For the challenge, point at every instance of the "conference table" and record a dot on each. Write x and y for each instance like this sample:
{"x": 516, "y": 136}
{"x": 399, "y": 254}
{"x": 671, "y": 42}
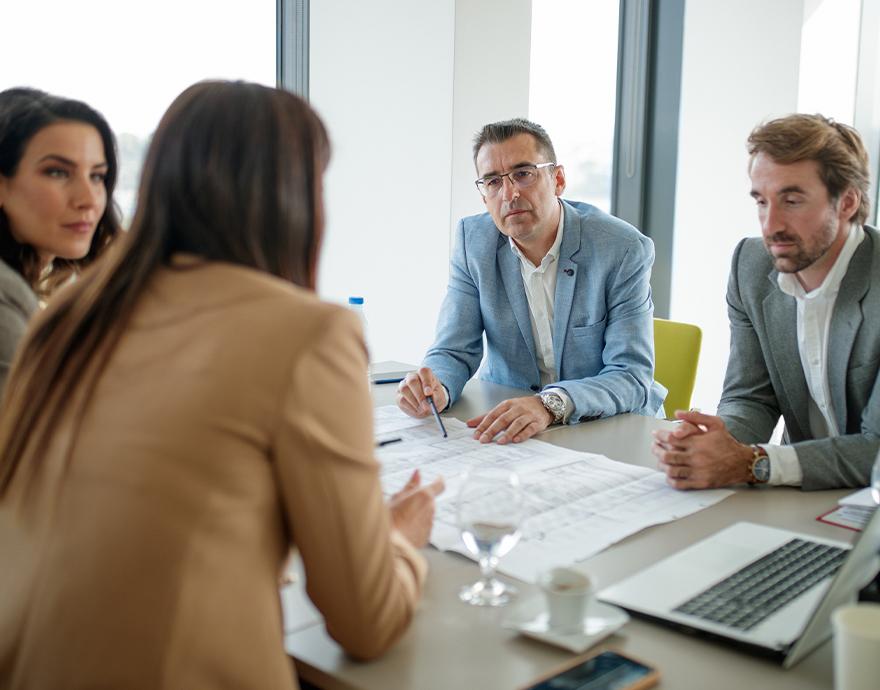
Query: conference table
{"x": 453, "y": 645}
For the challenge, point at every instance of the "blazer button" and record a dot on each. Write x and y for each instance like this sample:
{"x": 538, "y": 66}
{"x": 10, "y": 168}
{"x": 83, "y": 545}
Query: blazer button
{"x": 535, "y": 388}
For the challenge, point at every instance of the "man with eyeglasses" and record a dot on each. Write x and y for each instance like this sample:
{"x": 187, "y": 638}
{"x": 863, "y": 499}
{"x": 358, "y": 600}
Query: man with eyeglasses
{"x": 560, "y": 290}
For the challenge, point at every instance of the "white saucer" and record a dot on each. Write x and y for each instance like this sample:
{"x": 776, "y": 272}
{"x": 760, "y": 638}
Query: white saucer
{"x": 530, "y": 619}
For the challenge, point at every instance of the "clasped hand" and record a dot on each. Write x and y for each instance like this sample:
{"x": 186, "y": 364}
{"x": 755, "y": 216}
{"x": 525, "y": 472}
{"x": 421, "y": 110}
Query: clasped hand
{"x": 700, "y": 453}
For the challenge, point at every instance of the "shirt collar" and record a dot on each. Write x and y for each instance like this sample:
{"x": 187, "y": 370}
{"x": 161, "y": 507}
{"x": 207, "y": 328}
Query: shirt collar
{"x": 790, "y": 285}
{"x": 553, "y": 253}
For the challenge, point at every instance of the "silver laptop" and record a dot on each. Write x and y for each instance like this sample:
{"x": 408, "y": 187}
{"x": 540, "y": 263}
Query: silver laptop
{"x": 768, "y": 589}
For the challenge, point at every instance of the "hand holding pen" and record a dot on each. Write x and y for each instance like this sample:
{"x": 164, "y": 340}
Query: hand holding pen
{"x": 417, "y": 392}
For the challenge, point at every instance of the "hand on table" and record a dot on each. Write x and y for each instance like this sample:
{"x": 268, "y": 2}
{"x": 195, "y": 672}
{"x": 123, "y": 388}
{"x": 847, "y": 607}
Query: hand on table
{"x": 700, "y": 453}
{"x": 413, "y": 392}
{"x": 412, "y": 509}
{"x": 512, "y": 421}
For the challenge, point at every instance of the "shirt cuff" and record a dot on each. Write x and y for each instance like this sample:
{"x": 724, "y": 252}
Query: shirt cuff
{"x": 446, "y": 406}
{"x": 566, "y": 398}
{"x": 785, "y": 468}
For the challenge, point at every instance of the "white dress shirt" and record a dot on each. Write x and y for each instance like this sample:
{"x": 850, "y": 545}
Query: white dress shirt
{"x": 814, "y": 311}
{"x": 540, "y": 287}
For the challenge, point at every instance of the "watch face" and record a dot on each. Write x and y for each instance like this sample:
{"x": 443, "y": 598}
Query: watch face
{"x": 761, "y": 470}
{"x": 555, "y": 404}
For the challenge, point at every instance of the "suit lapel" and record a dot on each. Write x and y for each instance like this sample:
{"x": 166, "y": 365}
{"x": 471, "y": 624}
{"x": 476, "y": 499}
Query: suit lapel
{"x": 566, "y": 280}
{"x": 845, "y": 323}
{"x": 780, "y": 318}
{"x": 511, "y": 276}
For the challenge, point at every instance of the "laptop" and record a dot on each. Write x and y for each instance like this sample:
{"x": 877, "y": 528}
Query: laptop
{"x": 769, "y": 590}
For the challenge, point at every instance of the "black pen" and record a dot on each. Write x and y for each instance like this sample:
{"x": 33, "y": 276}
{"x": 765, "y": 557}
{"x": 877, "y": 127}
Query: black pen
{"x": 388, "y": 442}
{"x": 381, "y": 381}
{"x": 437, "y": 416}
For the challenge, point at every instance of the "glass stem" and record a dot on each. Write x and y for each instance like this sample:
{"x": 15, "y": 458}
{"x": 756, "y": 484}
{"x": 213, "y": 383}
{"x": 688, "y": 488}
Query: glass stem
{"x": 488, "y": 563}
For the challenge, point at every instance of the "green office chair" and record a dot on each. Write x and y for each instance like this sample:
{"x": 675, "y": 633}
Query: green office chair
{"x": 676, "y": 353}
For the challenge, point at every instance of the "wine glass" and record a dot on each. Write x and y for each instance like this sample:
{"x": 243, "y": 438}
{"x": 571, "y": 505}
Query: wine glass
{"x": 875, "y": 480}
{"x": 490, "y": 510}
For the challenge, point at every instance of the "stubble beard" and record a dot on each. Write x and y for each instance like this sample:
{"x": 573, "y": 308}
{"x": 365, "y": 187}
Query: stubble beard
{"x": 806, "y": 255}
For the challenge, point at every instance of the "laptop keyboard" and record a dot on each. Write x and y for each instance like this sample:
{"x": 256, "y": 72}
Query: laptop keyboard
{"x": 761, "y": 588}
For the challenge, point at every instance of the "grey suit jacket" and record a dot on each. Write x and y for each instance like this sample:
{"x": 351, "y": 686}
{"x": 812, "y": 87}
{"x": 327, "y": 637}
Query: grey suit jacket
{"x": 765, "y": 377}
{"x": 17, "y": 303}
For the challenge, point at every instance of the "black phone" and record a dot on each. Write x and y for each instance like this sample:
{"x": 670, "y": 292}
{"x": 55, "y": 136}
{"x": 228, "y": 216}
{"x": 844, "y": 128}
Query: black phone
{"x": 605, "y": 671}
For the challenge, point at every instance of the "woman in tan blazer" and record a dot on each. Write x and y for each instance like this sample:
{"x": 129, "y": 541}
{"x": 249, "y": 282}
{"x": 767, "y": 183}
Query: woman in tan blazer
{"x": 187, "y": 411}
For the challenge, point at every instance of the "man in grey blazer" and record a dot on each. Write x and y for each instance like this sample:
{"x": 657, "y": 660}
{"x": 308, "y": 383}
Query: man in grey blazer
{"x": 805, "y": 334}
{"x": 559, "y": 289}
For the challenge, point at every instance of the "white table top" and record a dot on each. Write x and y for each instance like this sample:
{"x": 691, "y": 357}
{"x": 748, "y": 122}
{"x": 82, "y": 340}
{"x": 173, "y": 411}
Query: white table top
{"x": 452, "y": 645}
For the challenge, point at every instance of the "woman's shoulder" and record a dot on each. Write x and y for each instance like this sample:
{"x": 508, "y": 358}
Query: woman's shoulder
{"x": 15, "y": 292}
{"x": 232, "y": 293}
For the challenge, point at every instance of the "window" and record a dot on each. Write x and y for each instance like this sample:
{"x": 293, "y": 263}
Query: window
{"x": 573, "y": 90}
{"x": 737, "y": 73}
{"x": 129, "y": 61}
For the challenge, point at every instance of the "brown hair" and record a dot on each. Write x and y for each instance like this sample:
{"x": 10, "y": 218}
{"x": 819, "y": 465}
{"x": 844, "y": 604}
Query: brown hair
{"x": 497, "y": 132}
{"x": 23, "y": 113}
{"x": 232, "y": 174}
{"x": 836, "y": 148}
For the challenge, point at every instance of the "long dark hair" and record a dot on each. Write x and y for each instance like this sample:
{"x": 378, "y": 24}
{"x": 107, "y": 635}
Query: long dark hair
{"x": 233, "y": 174}
{"x": 23, "y": 113}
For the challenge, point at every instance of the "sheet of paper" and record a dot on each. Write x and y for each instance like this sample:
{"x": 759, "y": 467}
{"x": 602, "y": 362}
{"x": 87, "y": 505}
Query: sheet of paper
{"x": 852, "y": 517}
{"x": 578, "y": 503}
{"x": 862, "y": 498}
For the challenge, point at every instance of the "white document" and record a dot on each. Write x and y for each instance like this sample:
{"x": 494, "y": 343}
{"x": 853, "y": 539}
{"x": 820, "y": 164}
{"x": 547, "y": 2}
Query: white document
{"x": 578, "y": 503}
{"x": 862, "y": 498}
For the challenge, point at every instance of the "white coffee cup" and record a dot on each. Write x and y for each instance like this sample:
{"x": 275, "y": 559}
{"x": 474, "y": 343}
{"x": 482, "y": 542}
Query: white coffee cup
{"x": 856, "y": 647}
{"x": 568, "y": 593}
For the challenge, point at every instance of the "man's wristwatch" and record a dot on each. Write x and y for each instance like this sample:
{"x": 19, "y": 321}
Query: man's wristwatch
{"x": 554, "y": 404}
{"x": 759, "y": 468}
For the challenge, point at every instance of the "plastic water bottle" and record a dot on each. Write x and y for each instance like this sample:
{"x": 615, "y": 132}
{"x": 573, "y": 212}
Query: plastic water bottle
{"x": 356, "y": 304}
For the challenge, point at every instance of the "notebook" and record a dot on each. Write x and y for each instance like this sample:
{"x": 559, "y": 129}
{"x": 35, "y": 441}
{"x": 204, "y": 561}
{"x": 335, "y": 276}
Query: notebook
{"x": 769, "y": 590}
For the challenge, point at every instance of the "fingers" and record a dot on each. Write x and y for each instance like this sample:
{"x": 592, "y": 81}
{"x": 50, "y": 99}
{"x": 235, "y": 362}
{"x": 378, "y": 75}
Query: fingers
{"x": 685, "y": 429}
{"x": 412, "y": 392}
{"x": 412, "y": 513}
{"x": 487, "y": 422}
{"x": 437, "y": 487}
{"x": 671, "y": 457}
{"x": 511, "y": 421}
{"x": 710, "y": 422}
{"x": 474, "y": 421}
{"x": 527, "y": 432}
{"x": 414, "y": 480}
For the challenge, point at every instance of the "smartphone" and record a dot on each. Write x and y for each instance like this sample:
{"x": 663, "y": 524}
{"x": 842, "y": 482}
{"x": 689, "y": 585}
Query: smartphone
{"x": 605, "y": 671}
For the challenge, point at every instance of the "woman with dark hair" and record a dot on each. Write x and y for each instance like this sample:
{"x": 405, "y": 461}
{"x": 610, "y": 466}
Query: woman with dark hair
{"x": 57, "y": 174}
{"x": 186, "y": 411}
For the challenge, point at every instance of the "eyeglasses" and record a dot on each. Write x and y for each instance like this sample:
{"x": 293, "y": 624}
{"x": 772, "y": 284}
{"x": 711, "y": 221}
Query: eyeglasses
{"x": 522, "y": 177}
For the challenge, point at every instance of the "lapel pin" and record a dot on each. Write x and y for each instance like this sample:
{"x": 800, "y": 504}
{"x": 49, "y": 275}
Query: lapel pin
{"x": 568, "y": 271}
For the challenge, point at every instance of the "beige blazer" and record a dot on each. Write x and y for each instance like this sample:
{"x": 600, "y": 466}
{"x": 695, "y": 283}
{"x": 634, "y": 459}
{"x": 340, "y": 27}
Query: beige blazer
{"x": 233, "y": 420}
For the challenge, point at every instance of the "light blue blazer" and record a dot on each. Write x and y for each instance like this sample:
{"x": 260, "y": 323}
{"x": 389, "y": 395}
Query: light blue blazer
{"x": 603, "y": 333}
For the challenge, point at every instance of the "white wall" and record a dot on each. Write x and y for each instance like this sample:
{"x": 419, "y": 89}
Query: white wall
{"x": 487, "y": 32}
{"x": 402, "y": 86}
{"x": 740, "y": 67}
{"x": 381, "y": 77}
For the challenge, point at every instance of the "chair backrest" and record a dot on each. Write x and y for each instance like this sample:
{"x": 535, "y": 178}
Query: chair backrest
{"x": 676, "y": 353}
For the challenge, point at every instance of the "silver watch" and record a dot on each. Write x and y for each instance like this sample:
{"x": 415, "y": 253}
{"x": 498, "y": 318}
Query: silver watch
{"x": 554, "y": 404}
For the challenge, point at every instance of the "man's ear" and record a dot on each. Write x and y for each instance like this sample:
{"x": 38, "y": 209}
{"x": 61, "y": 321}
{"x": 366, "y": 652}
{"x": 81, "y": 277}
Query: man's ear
{"x": 847, "y": 204}
{"x": 559, "y": 180}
